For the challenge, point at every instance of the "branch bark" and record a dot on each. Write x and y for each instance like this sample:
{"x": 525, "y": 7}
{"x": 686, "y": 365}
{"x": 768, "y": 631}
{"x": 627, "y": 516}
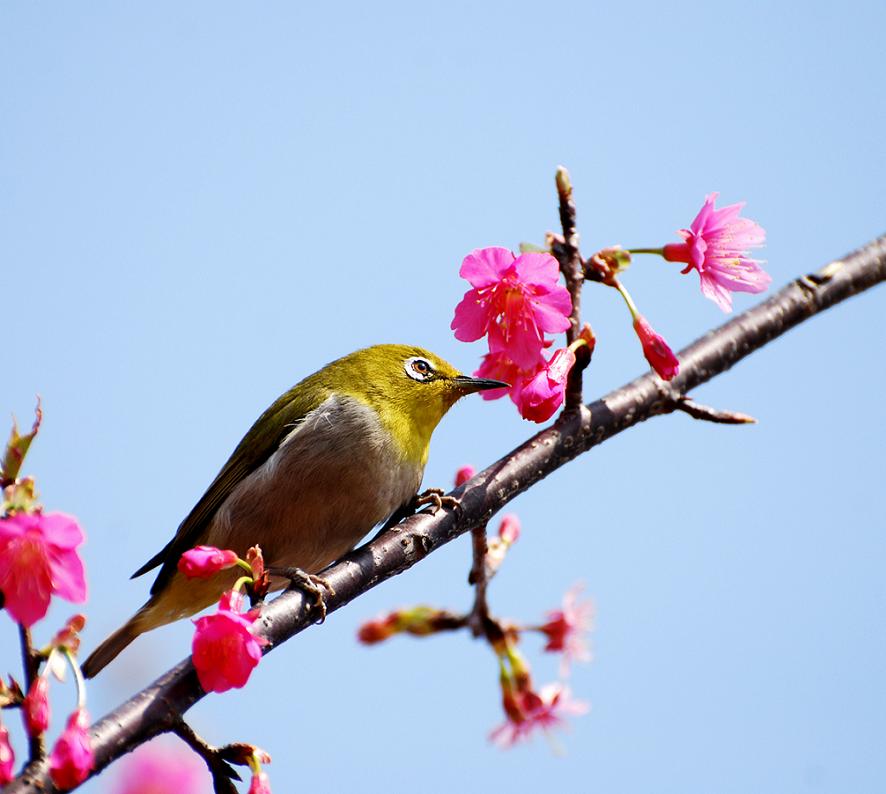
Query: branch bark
{"x": 158, "y": 707}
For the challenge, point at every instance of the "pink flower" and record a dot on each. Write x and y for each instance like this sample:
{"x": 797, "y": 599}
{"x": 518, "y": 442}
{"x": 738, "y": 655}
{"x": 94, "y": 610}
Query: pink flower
{"x": 205, "y": 561}
{"x": 162, "y": 768}
{"x": 260, "y": 784}
{"x": 660, "y": 357}
{"x": 566, "y": 629}
{"x": 35, "y": 708}
{"x": 464, "y": 474}
{"x": 224, "y": 649}
{"x": 542, "y": 394}
{"x": 514, "y": 300}
{"x": 717, "y": 245}
{"x": 37, "y": 559}
{"x": 72, "y": 758}
{"x": 7, "y": 757}
{"x": 528, "y": 711}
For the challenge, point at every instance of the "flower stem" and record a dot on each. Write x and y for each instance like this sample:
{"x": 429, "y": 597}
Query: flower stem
{"x": 632, "y": 307}
{"x": 241, "y": 582}
{"x": 658, "y": 251}
{"x": 78, "y": 677}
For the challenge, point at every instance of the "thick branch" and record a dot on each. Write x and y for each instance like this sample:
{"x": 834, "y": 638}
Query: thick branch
{"x": 158, "y": 707}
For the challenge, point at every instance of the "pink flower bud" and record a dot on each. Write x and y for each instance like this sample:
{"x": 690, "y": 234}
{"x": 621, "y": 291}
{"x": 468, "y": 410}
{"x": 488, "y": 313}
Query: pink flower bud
{"x": 660, "y": 357}
{"x": 205, "y": 561}
{"x": 35, "y": 708}
{"x": 260, "y": 784}
{"x": 464, "y": 474}
{"x": 7, "y": 757}
{"x": 224, "y": 650}
{"x": 72, "y": 758}
{"x": 509, "y": 529}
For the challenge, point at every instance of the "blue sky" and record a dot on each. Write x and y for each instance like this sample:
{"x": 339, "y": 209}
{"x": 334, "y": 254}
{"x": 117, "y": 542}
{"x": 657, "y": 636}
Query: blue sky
{"x": 201, "y": 204}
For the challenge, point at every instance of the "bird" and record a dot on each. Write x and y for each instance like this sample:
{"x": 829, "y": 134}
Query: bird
{"x": 336, "y": 455}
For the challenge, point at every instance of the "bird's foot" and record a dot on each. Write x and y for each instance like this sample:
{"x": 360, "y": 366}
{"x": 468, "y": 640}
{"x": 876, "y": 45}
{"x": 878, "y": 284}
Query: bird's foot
{"x": 310, "y": 584}
{"x": 436, "y": 498}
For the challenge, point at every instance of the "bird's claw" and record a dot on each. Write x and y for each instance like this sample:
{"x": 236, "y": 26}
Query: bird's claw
{"x": 310, "y": 584}
{"x": 437, "y": 499}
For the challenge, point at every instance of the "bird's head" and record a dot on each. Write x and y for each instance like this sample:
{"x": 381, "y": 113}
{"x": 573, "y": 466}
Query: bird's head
{"x": 410, "y": 388}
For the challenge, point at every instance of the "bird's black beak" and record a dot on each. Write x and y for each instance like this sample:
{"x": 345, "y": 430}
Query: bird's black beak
{"x": 469, "y": 385}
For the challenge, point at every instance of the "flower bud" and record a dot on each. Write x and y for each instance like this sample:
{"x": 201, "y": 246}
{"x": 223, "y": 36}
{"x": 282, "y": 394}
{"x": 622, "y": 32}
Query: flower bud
{"x": 464, "y": 474}
{"x": 72, "y": 758}
{"x": 7, "y": 757}
{"x": 205, "y": 561}
{"x": 35, "y": 707}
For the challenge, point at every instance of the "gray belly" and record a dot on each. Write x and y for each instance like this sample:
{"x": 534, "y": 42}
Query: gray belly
{"x": 335, "y": 477}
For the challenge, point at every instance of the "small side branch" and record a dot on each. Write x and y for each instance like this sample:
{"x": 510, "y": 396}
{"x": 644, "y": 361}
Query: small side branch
{"x": 479, "y": 615}
{"x": 222, "y": 772}
{"x": 708, "y": 414}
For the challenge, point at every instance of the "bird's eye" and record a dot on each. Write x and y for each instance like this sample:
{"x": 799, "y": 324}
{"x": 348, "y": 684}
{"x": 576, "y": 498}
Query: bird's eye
{"x": 418, "y": 368}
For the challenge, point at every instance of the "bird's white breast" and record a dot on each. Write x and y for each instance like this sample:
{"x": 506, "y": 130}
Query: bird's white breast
{"x": 335, "y": 476}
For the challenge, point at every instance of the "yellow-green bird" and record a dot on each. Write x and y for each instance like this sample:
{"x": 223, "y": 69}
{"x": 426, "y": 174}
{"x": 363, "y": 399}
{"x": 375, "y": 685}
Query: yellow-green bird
{"x": 333, "y": 457}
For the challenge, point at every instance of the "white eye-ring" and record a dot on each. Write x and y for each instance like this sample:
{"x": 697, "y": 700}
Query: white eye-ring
{"x": 419, "y": 368}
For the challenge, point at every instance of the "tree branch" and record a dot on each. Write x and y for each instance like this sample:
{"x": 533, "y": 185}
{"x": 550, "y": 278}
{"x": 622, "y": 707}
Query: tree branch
{"x": 157, "y": 708}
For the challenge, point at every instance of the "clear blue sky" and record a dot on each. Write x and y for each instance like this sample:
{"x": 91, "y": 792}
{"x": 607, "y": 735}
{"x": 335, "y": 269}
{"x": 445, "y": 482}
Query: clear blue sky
{"x": 202, "y": 203}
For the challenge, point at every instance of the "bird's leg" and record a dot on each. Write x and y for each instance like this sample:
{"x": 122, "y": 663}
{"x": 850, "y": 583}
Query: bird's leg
{"x": 436, "y": 498}
{"x": 310, "y": 584}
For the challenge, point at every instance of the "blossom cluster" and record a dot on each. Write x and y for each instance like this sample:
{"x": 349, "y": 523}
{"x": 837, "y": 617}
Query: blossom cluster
{"x": 224, "y": 650}
{"x": 515, "y": 302}
{"x": 527, "y": 709}
{"x": 39, "y": 560}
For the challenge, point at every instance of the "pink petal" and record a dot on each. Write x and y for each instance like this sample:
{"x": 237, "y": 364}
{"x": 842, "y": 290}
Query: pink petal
{"x": 61, "y": 530}
{"x": 484, "y": 267}
{"x": 68, "y": 576}
{"x": 537, "y": 268}
{"x": 710, "y": 288}
{"x": 472, "y": 317}
{"x": 551, "y": 312}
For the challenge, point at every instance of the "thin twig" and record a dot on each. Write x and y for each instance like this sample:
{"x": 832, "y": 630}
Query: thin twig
{"x": 156, "y": 708}
{"x": 708, "y": 414}
{"x": 479, "y": 615}
{"x": 222, "y": 772}
{"x": 565, "y": 249}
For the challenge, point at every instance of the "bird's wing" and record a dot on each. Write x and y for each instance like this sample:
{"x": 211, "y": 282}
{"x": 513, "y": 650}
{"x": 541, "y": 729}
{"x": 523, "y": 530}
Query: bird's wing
{"x": 262, "y": 440}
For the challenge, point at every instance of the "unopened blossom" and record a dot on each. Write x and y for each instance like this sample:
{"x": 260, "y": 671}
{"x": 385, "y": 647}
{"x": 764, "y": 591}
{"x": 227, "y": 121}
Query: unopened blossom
{"x": 514, "y": 300}
{"x": 7, "y": 757}
{"x": 35, "y": 707}
{"x": 717, "y": 245}
{"x": 660, "y": 357}
{"x": 464, "y": 474}
{"x": 509, "y": 529}
{"x": 72, "y": 758}
{"x": 38, "y": 557}
{"x": 528, "y": 711}
{"x": 419, "y": 621}
{"x": 497, "y": 547}
{"x": 162, "y": 768}
{"x": 205, "y": 561}
{"x": 567, "y": 628}
{"x": 260, "y": 784}
{"x": 542, "y": 394}
{"x": 224, "y": 649}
